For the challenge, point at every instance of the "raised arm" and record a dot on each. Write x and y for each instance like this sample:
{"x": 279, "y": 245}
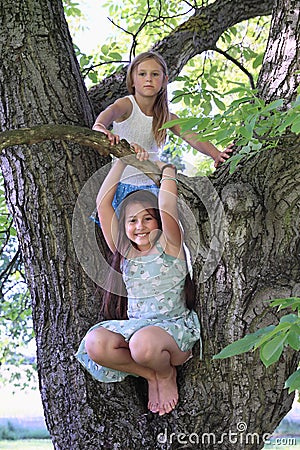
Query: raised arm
{"x": 106, "y": 212}
{"x": 108, "y": 219}
{"x": 167, "y": 202}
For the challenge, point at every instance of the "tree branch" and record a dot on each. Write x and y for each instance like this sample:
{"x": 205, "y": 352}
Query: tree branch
{"x": 194, "y": 36}
{"x": 238, "y": 64}
{"x": 82, "y": 136}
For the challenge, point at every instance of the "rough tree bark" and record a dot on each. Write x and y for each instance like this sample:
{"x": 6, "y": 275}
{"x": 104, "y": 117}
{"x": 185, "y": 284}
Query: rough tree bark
{"x": 281, "y": 80}
{"x": 40, "y": 83}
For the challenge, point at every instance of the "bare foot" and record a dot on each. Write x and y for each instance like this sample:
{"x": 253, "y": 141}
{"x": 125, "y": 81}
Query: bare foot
{"x": 168, "y": 392}
{"x": 153, "y": 399}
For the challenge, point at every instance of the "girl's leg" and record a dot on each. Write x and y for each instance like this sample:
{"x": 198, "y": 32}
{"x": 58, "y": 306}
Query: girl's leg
{"x": 110, "y": 350}
{"x": 156, "y": 349}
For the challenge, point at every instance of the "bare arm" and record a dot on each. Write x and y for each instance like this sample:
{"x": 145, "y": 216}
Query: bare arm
{"x": 106, "y": 212}
{"x": 167, "y": 201}
{"x": 121, "y": 108}
{"x": 207, "y": 148}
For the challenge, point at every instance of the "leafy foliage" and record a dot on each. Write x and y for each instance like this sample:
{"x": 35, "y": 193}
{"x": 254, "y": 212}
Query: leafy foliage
{"x": 15, "y": 312}
{"x": 249, "y": 122}
{"x": 135, "y": 31}
{"x": 72, "y": 9}
{"x": 272, "y": 340}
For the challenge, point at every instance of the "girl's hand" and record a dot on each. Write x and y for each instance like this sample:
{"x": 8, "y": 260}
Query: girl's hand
{"x": 141, "y": 153}
{"x": 113, "y": 138}
{"x": 162, "y": 164}
{"x": 222, "y": 156}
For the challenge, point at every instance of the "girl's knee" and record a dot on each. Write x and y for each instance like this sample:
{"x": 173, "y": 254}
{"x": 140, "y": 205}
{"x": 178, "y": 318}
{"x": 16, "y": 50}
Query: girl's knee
{"x": 101, "y": 342}
{"x": 92, "y": 343}
{"x": 97, "y": 343}
{"x": 142, "y": 348}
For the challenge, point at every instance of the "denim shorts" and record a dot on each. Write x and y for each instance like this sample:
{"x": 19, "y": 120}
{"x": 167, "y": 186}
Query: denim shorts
{"x": 124, "y": 189}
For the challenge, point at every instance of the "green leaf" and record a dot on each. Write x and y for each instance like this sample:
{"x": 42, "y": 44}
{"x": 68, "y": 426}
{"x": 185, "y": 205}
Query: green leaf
{"x": 282, "y": 327}
{"x": 236, "y": 348}
{"x": 176, "y": 100}
{"x": 203, "y": 123}
{"x": 296, "y": 102}
{"x": 93, "y": 77}
{"x": 293, "y": 338}
{"x": 105, "y": 49}
{"x": 207, "y": 108}
{"x": 295, "y": 128}
{"x": 291, "y": 302}
{"x": 220, "y": 135}
{"x": 238, "y": 102}
{"x": 212, "y": 82}
{"x": 287, "y": 120}
{"x": 273, "y": 105}
{"x": 289, "y": 319}
{"x": 271, "y": 360}
{"x": 233, "y": 162}
{"x": 116, "y": 56}
{"x": 293, "y": 381}
{"x": 219, "y": 104}
{"x": 258, "y": 61}
{"x": 271, "y": 351}
{"x": 243, "y": 345}
{"x": 85, "y": 60}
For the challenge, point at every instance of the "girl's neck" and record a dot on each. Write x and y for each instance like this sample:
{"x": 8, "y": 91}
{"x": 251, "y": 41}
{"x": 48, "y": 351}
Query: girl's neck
{"x": 135, "y": 252}
{"x": 145, "y": 104}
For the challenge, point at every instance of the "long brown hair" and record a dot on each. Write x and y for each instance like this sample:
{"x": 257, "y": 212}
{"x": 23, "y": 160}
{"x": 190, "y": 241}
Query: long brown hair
{"x": 161, "y": 113}
{"x": 114, "y": 304}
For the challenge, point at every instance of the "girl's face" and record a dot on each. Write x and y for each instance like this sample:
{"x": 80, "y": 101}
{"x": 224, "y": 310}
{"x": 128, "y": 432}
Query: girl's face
{"x": 148, "y": 78}
{"x": 139, "y": 224}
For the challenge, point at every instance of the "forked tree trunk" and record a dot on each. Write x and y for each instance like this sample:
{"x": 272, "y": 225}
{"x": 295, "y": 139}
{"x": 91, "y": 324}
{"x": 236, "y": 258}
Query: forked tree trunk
{"x": 253, "y": 256}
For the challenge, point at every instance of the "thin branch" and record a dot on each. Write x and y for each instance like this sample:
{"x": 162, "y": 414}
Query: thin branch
{"x": 238, "y": 64}
{"x": 91, "y": 68}
{"x": 9, "y": 269}
{"x": 135, "y": 35}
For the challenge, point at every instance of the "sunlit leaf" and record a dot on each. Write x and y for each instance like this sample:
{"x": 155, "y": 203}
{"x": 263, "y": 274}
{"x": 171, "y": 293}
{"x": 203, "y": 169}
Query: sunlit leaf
{"x": 293, "y": 381}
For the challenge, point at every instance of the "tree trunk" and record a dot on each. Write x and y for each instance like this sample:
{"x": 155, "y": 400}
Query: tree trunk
{"x": 281, "y": 80}
{"x": 40, "y": 83}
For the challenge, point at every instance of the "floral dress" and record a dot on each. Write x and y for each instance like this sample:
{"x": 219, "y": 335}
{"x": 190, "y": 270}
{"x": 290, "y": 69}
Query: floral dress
{"x": 155, "y": 287}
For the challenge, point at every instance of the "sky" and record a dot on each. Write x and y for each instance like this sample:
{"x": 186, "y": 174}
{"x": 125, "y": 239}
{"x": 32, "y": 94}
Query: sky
{"x": 97, "y": 26}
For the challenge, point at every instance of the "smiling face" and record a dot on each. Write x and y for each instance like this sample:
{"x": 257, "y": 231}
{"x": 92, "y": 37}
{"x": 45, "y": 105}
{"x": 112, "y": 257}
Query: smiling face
{"x": 140, "y": 224}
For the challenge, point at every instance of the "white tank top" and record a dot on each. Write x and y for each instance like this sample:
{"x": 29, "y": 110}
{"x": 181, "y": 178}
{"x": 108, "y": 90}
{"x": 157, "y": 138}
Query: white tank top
{"x": 137, "y": 128}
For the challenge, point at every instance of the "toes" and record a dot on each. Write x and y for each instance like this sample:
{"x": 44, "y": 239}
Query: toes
{"x": 153, "y": 407}
{"x": 167, "y": 407}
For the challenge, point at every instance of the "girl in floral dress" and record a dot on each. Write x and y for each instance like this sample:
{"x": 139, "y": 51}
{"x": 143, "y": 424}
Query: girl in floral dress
{"x": 151, "y": 326}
